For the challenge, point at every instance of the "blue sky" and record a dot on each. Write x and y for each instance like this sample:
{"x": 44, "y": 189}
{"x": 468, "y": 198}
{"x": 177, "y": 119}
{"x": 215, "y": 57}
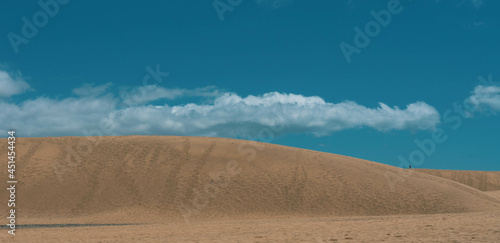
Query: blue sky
{"x": 274, "y": 68}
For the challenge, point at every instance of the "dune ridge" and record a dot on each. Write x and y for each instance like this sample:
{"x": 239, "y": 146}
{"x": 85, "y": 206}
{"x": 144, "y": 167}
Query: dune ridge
{"x": 130, "y": 179}
{"x": 481, "y": 180}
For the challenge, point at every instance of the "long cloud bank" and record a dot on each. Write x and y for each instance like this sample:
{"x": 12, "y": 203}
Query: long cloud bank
{"x": 228, "y": 115}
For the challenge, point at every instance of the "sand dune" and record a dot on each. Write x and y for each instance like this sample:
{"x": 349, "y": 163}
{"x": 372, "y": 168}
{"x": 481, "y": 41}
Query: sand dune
{"x": 161, "y": 179}
{"x": 481, "y": 180}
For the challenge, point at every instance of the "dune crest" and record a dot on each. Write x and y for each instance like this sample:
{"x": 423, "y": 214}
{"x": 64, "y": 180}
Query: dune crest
{"x": 481, "y": 180}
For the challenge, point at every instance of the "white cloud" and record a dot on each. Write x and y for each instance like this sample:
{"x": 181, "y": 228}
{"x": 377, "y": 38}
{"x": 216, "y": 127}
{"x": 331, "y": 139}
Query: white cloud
{"x": 10, "y": 86}
{"x": 229, "y": 115}
{"x": 485, "y": 98}
{"x": 50, "y": 117}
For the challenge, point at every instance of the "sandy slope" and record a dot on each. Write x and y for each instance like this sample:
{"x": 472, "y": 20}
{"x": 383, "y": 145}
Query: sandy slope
{"x": 163, "y": 179}
{"x": 481, "y": 180}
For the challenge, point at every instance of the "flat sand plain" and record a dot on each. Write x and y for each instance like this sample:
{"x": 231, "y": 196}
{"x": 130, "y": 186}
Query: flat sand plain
{"x": 461, "y": 227}
{"x": 197, "y": 189}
